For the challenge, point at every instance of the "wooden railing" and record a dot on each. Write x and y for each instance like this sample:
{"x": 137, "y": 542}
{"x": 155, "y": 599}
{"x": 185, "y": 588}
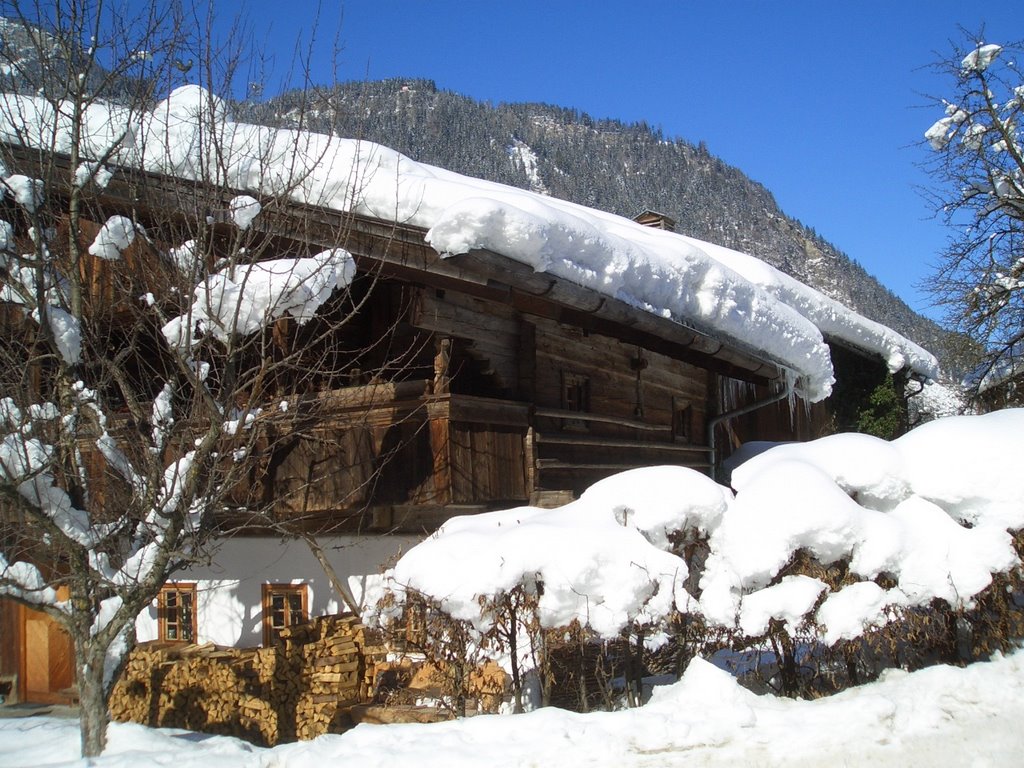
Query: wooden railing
{"x": 553, "y": 413}
{"x": 634, "y": 453}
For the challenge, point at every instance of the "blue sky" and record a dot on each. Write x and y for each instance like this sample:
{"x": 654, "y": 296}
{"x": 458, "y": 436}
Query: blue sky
{"x": 822, "y": 102}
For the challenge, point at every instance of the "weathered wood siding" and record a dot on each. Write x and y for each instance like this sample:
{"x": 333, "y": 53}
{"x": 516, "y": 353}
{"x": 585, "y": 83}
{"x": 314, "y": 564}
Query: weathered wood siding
{"x": 611, "y": 368}
{"x": 635, "y": 400}
{"x": 346, "y": 449}
{"x": 479, "y": 449}
{"x": 485, "y": 335}
{"x": 488, "y": 463}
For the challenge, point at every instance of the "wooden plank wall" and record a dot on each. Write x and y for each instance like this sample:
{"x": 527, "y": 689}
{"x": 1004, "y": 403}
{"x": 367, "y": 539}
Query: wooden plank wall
{"x": 488, "y": 463}
{"x": 781, "y": 421}
{"x": 664, "y": 383}
{"x": 573, "y": 454}
{"x": 344, "y": 465}
{"x": 485, "y": 362}
{"x": 506, "y": 354}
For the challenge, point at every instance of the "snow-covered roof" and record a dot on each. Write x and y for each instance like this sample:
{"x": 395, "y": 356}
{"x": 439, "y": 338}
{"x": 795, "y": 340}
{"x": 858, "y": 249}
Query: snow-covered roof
{"x": 728, "y": 294}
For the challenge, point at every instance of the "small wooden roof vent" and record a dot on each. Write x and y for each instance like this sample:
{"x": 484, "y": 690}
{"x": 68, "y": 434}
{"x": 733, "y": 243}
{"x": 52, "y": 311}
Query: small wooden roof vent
{"x": 657, "y": 220}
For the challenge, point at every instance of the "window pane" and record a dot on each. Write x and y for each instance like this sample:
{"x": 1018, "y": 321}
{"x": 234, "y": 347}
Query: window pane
{"x": 285, "y": 607}
{"x": 187, "y": 630}
{"x": 176, "y": 607}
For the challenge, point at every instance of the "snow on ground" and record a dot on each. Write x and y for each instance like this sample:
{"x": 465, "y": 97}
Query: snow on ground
{"x": 941, "y": 716}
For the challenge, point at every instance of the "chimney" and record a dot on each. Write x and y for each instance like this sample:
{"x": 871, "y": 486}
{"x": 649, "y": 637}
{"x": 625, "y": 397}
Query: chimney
{"x": 656, "y": 220}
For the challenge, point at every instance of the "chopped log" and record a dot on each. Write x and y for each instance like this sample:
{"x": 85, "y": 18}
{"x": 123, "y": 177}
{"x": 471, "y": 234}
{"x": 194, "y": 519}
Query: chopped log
{"x": 400, "y": 714}
{"x": 346, "y": 698}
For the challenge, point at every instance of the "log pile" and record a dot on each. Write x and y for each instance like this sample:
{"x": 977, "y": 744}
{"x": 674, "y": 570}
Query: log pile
{"x": 299, "y": 689}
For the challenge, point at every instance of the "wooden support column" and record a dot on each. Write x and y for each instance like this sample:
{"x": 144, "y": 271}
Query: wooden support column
{"x": 442, "y": 361}
{"x": 526, "y": 355}
{"x": 530, "y": 461}
{"x": 441, "y": 451}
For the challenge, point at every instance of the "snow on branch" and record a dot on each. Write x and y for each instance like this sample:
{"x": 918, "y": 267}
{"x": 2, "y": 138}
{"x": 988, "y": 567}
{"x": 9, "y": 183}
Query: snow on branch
{"x": 114, "y": 237}
{"x": 244, "y": 299}
{"x": 980, "y": 58}
{"x": 23, "y": 581}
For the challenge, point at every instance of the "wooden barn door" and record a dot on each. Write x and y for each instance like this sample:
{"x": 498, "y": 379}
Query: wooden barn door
{"x": 48, "y": 659}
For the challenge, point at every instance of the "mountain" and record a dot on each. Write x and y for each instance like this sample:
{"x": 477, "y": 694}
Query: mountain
{"x": 619, "y": 167}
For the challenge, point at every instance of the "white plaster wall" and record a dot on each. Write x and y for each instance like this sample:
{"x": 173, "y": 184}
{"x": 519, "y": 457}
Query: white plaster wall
{"x": 229, "y": 588}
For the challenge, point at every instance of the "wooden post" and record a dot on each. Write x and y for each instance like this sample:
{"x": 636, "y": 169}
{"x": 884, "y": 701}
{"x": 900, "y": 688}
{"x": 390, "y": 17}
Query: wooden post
{"x": 442, "y": 360}
{"x": 440, "y": 449}
{"x": 527, "y": 358}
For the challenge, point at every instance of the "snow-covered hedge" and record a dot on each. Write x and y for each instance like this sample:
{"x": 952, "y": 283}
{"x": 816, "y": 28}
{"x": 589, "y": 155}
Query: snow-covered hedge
{"x": 824, "y": 541}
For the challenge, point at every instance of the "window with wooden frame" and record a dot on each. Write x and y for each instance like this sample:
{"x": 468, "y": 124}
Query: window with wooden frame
{"x": 176, "y": 613}
{"x": 575, "y": 392}
{"x": 575, "y": 397}
{"x": 682, "y": 420}
{"x": 284, "y": 605}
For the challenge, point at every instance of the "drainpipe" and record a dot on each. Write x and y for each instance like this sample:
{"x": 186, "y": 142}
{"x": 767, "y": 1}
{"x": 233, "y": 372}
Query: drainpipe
{"x": 743, "y": 411}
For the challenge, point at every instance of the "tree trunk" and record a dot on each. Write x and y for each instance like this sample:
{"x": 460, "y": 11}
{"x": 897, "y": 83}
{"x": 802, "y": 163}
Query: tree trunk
{"x": 339, "y": 586}
{"x": 513, "y": 651}
{"x": 94, "y": 716}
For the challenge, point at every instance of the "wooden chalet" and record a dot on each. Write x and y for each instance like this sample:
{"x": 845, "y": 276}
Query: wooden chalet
{"x": 654, "y": 219}
{"x": 515, "y": 387}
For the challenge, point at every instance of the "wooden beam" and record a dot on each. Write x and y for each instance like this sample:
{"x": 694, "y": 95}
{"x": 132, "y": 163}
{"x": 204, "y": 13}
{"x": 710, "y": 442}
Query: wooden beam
{"x": 554, "y": 413}
{"x": 567, "y": 465}
{"x": 616, "y": 443}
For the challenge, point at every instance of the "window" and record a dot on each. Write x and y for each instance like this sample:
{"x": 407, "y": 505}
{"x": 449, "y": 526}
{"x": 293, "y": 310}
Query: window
{"x": 575, "y": 398}
{"x": 284, "y": 605}
{"x": 682, "y": 420}
{"x": 575, "y": 392}
{"x": 176, "y": 612}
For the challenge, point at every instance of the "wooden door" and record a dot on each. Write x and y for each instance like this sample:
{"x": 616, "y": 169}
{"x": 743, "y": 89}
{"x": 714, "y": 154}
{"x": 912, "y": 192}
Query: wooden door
{"x": 48, "y": 659}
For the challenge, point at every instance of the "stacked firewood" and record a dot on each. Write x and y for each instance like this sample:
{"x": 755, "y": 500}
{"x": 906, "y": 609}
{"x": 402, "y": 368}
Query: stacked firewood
{"x": 302, "y": 687}
{"x": 336, "y": 660}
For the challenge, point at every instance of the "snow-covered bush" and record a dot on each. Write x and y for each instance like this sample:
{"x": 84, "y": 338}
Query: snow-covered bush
{"x": 834, "y": 559}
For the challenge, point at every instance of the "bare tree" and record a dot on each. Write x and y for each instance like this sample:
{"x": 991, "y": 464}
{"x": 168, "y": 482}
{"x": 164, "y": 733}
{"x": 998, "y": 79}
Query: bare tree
{"x": 978, "y": 162}
{"x": 175, "y": 305}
